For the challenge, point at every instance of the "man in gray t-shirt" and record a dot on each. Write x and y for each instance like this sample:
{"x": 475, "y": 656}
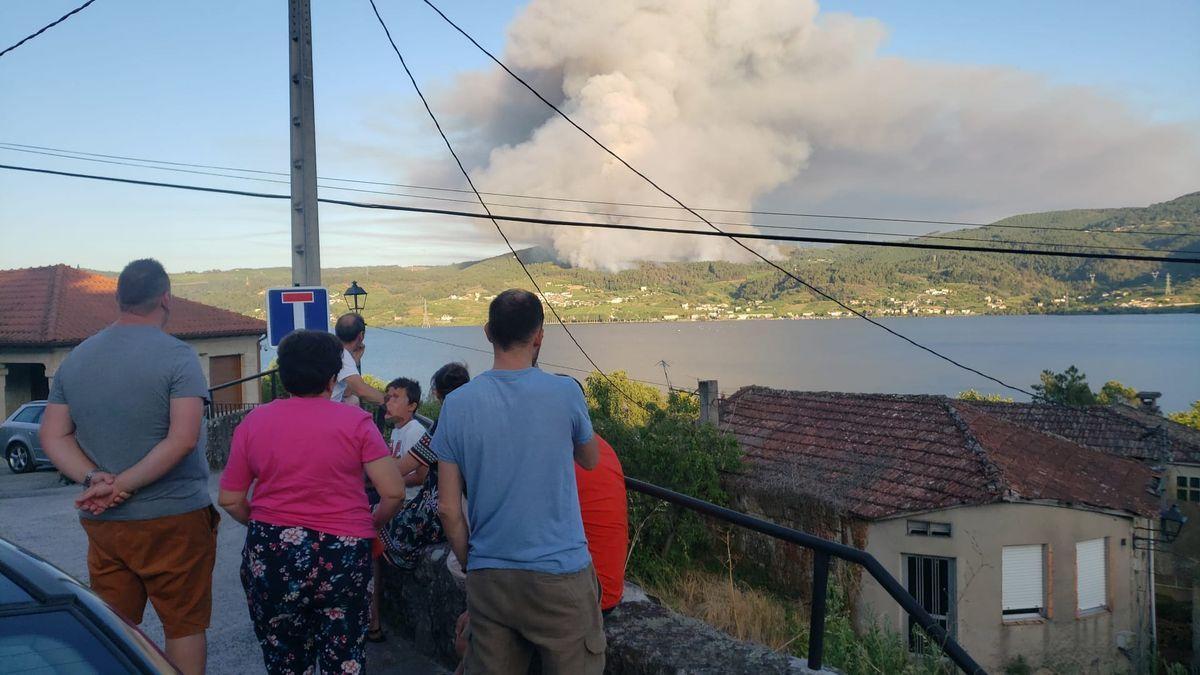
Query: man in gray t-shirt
{"x": 124, "y": 419}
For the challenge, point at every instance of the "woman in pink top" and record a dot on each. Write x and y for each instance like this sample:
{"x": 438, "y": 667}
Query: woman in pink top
{"x": 306, "y": 565}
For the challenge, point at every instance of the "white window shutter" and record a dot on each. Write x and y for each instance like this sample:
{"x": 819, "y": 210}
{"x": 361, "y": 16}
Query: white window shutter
{"x": 1023, "y": 581}
{"x": 1091, "y": 574}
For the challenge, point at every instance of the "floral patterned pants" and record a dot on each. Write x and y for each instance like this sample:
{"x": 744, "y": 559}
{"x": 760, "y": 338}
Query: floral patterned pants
{"x": 309, "y": 597}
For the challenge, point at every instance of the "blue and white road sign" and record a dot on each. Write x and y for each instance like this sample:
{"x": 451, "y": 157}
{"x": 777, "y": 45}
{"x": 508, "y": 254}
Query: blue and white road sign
{"x": 294, "y": 308}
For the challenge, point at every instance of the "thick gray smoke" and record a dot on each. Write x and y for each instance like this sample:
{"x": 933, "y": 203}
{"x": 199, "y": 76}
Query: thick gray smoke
{"x": 764, "y": 103}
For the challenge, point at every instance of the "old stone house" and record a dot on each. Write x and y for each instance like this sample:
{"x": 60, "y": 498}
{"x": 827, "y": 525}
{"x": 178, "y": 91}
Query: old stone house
{"x": 1020, "y": 542}
{"x": 46, "y": 311}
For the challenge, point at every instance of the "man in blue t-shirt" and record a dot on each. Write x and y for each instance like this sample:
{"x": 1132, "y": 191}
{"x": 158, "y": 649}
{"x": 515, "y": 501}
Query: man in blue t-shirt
{"x": 512, "y": 436}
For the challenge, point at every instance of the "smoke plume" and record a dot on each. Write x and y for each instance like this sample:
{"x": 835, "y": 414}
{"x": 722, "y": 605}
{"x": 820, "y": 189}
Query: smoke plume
{"x": 771, "y": 104}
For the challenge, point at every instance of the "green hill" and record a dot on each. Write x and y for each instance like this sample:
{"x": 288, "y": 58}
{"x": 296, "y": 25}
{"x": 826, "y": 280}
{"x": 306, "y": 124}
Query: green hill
{"x": 876, "y": 280}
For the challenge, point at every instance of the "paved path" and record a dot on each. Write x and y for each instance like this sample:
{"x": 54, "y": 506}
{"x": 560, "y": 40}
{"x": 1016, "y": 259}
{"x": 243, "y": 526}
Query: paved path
{"x": 36, "y": 512}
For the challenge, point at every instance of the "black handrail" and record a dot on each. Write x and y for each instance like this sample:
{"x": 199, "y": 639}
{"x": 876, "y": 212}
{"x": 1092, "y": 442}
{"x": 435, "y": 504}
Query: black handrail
{"x": 822, "y": 550}
{"x": 224, "y": 385}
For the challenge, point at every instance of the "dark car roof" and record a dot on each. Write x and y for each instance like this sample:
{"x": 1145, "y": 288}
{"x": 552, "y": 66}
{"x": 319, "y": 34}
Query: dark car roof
{"x": 27, "y": 580}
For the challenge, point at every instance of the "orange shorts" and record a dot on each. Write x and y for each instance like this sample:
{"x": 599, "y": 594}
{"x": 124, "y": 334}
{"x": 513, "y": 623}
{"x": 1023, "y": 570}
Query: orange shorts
{"x": 168, "y": 560}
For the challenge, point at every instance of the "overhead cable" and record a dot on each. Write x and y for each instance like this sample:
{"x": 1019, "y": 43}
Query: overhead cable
{"x": 734, "y": 238}
{"x": 617, "y": 226}
{"x": 48, "y": 26}
{"x": 788, "y": 214}
{"x": 500, "y": 230}
{"x": 796, "y": 228}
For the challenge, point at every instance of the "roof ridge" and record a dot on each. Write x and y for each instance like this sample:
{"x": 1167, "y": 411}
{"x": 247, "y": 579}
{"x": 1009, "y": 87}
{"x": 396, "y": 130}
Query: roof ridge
{"x": 996, "y": 482}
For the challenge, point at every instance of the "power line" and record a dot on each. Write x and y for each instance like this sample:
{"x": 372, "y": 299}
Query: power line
{"x": 592, "y": 213}
{"x": 467, "y": 176}
{"x": 790, "y": 214}
{"x": 48, "y": 26}
{"x": 733, "y": 238}
{"x": 629, "y": 227}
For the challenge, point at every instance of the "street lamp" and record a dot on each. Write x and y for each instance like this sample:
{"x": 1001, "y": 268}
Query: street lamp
{"x": 356, "y": 298}
{"x": 1170, "y": 522}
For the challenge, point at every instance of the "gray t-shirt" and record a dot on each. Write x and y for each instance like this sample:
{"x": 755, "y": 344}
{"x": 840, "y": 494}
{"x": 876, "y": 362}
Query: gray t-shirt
{"x": 119, "y": 384}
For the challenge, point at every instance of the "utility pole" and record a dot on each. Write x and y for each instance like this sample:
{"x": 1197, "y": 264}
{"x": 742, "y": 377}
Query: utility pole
{"x": 306, "y": 244}
{"x": 1167, "y": 291}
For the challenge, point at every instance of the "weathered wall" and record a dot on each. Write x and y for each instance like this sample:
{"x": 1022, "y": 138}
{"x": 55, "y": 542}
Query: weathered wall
{"x": 643, "y": 638}
{"x": 979, "y": 533}
{"x": 783, "y": 566}
{"x": 219, "y": 435}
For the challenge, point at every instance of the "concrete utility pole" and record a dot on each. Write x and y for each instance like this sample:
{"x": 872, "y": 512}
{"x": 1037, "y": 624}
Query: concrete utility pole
{"x": 306, "y": 243}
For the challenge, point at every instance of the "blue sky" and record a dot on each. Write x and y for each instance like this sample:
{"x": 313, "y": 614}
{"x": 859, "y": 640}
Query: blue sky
{"x": 207, "y": 83}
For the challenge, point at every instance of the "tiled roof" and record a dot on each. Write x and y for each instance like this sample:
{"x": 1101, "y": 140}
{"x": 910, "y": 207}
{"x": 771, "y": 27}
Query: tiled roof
{"x": 62, "y": 306}
{"x": 1119, "y": 430}
{"x": 878, "y": 456}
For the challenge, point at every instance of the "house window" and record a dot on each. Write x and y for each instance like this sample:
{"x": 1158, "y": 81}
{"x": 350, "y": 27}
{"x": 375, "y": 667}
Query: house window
{"x": 1091, "y": 578}
{"x": 925, "y": 528}
{"x": 931, "y": 581}
{"x": 1187, "y": 488}
{"x": 1023, "y": 582}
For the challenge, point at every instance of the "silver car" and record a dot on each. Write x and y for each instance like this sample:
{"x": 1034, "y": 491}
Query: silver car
{"x": 19, "y": 438}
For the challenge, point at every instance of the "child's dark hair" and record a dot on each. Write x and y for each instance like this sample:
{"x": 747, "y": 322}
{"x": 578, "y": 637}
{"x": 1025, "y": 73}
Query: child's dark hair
{"x": 410, "y": 387}
{"x": 448, "y": 378}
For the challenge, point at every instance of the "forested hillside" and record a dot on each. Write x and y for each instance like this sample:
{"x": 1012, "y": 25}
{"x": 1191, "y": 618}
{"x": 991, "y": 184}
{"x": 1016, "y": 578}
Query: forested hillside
{"x": 876, "y": 280}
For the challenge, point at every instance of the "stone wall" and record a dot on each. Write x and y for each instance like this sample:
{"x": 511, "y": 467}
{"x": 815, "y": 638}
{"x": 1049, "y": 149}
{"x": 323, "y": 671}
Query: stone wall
{"x": 219, "y": 436}
{"x": 643, "y": 638}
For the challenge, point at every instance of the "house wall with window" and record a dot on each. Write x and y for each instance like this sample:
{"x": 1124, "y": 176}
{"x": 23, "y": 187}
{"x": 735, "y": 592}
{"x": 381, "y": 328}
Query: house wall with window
{"x": 1074, "y": 590}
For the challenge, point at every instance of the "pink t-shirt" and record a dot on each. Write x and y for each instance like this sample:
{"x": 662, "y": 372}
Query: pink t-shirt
{"x": 305, "y": 458}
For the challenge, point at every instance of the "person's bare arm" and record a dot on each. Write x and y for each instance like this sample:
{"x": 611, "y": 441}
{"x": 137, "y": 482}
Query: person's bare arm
{"x": 588, "y": 454}
{"x": 450, "y": 509}
{"x": 389, "y": 483}
{"x": 413, "y": 471}
{"x": 359, "y": 387}
{"x": 181, "y": 439}
{"x": 235, "y": 504}
{"x": 57, "y": 435}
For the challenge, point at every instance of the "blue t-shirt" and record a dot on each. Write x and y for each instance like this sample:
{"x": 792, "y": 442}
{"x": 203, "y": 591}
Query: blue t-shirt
{"x": 513, "y": 434}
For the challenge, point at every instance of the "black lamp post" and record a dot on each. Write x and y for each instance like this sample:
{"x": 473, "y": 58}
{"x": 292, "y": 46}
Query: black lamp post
{"x": 1170, "y": 522}
{"x": 356, "y": 298}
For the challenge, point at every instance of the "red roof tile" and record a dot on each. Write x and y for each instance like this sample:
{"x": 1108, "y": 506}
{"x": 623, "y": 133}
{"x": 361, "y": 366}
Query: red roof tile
{"x": 1119, "y": 430}
{"x": 62, "y": 306}
{"x": 878, "y": 456}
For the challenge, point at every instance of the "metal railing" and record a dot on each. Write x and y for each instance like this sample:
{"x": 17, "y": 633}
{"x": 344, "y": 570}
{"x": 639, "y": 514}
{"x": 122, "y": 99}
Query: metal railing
{"x": 822, "y": 549}
{"x": 217, "y": 408}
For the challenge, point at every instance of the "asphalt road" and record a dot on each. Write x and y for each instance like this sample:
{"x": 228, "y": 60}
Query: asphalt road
{"x": 36, "y": 512}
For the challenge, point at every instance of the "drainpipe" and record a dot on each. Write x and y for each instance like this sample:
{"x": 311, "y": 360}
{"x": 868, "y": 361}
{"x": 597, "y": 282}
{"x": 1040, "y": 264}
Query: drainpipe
{"x": 1153, "y": 602}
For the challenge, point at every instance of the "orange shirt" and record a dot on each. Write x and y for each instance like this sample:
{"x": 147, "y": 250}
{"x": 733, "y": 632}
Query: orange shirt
{"x": 604, "y": 508}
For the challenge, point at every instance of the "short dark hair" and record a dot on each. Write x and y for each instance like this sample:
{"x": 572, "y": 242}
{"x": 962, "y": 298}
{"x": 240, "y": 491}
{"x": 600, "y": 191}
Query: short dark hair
{"x": 448, "y": 378}
{"x": 410, "y": 387}
{"x": 308, "y": 360}
{"x": 348, "y": 326}
{"x": 141, "y": 284}
{"x": 513, "y": 317}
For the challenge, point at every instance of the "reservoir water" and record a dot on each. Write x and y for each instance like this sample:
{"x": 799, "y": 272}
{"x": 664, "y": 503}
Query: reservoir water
{"x": 1154, "y": 352}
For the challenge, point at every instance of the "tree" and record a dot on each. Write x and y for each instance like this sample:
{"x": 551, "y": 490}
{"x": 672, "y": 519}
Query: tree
{"x": 1189, "y": 417}
{"x": 1069, "y": 387}
{"x": 1114, "y": 392}
{"x": 975, "y": 395}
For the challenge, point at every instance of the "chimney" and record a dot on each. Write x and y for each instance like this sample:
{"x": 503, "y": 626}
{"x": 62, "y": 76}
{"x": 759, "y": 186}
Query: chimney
{"x": 710, "y": 411}
{"x": 1149, "y": 402}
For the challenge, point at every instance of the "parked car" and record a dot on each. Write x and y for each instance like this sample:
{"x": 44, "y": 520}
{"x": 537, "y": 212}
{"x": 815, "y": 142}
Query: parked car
{"x": 19, "y": 438}
{"x": 51, "y": 623}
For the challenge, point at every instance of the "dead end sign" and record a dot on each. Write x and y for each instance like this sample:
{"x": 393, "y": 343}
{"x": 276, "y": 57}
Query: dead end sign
{"x": 296, "y": 307}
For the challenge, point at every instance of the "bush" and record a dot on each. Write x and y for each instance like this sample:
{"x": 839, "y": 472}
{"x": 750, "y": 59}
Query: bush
{"x": 659, "y": 441}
